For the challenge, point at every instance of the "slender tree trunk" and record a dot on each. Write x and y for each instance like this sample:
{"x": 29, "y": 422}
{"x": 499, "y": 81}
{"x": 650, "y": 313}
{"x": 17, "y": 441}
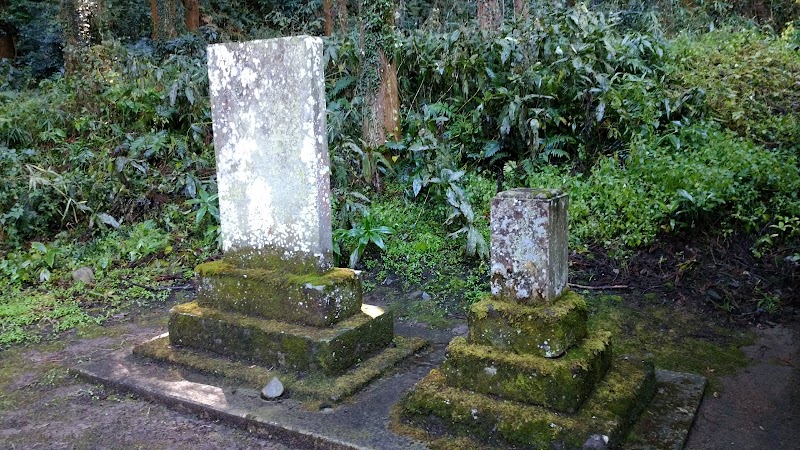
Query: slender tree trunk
{"x": 154, "y": 17}
{"x": 341, "y": 12}
{"x": 327, "y": 16}
{"x": 521, "y": 9}
{"x": 334, "y": 11}
{"x": 191, "y": 14}
{"x": 378, "y": 78}
{"x": 8, "y": 48}
{"x": 489, "y": 15}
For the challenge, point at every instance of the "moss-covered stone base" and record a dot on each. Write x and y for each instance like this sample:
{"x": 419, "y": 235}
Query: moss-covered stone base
{"x": 310, "y": 298}
{"x": 313, "y": 388}
{"x": 330, "y": 350}
{"x": 545, "y": 330}
{"x": 439, "y": 412}
{"x": 561, "y": 384}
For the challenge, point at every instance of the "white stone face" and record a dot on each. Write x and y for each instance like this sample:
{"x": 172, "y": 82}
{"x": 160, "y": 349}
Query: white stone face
{"x": 268, "y": 110}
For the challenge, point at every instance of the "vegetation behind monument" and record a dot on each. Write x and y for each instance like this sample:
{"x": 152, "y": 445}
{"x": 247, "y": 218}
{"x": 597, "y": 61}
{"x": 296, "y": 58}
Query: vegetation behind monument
{"x": 659, "y": 119}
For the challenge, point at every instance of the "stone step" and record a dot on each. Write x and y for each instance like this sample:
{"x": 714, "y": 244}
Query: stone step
{"x": 546, "y": 330}
{"x": 312, "y": 299}
{"x": 602, "y": 421}
{"x": 561, "y": 384}
{"x": 329, "y": 350}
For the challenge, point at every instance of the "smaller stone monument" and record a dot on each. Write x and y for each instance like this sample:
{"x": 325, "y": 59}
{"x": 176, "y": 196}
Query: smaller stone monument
{"x": 530, "y": 371}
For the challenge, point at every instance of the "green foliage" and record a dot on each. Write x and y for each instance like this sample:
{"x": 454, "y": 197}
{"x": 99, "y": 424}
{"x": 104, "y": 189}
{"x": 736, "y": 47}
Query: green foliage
{"x": 364, "y": 232}
{"x": 750, "y": 80}
{"x": 699, "y": 177}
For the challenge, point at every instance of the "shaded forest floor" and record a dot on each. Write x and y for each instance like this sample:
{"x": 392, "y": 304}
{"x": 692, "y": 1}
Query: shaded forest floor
{"x": 662, "y": 308}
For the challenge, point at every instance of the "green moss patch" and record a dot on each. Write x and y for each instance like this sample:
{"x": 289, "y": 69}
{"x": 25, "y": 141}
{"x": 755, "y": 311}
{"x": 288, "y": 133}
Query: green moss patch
{"x": 610, "y": 410}
{"x": 677, "y": 339}
{"x": 271, "y": 259}
{"x": 330, "y": 350}
{"x": 546, "y": 330}
{"x": 316, "y": 388}
{"x": 310, "y": 298}
{"x": 561, "y": 384}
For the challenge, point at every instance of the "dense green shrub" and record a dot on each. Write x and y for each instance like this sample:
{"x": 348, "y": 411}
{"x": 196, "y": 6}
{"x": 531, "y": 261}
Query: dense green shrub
{"x": 750, "y": 80}
{"x": 702, "y": 177}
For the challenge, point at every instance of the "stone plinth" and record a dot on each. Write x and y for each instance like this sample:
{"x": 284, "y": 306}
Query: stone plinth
{"x": 330, "y": 350}
{"x": 268, "y": 110}
{"x": 313, "y": 299}
{"x": 561, "y": 384}
{"x": 544, "y": 330}
{"x": 602, "y": 422}
{"x": 529, "y": 245}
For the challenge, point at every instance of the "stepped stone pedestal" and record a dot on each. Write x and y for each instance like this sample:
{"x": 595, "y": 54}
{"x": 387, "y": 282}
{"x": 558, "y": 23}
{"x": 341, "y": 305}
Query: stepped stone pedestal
{"x": 274, "y": 299}
{"x": 530, "y": 371}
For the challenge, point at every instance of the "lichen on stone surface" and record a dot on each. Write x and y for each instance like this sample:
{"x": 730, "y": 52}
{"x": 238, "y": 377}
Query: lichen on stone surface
{"x": 529, "y": 245}
{"x": 268, "y": 110}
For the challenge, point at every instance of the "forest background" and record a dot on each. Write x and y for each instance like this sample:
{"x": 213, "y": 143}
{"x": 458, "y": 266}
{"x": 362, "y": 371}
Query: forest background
{"x": 674, "y": 125}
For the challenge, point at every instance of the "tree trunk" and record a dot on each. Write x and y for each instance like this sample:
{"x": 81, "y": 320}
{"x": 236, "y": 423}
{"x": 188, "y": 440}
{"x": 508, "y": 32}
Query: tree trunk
{"x": 154, "y": 17}
{"x": 489, "y": 15}
{"x": 378, "y": 77}
{"x": 521, "y": 9}
{"x": 333, "y": 11}
{"x": 341, "y": 12}
{"x": 327, "y": 16}
{"x": 191, "y": 14}
{"x": 8, "y": 48}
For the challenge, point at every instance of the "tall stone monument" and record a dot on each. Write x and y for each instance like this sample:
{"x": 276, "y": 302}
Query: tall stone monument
{"x": 274, "y": 299}
{"x": 530, "y": 371}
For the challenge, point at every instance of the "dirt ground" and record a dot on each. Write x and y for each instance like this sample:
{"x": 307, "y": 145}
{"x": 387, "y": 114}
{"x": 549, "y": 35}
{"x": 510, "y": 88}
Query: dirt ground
{"x": 43, "y": 407}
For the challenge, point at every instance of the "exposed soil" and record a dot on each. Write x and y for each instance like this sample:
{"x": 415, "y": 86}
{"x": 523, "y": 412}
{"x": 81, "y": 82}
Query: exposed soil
{"x": 43, "y": 407}
{"x": 758, "y": 406}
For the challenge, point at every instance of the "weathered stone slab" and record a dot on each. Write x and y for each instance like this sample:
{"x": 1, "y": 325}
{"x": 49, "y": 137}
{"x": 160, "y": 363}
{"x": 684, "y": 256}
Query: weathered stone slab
{"x": 602, "y": 422}
{"x": 313, "y": 299}
{"x": 330, "y": 350}
{"x": 544, "y": 330}
{"x": 268, "y": 110}
{"x": 529, "y": 245}
{"x": 561, "y": 384}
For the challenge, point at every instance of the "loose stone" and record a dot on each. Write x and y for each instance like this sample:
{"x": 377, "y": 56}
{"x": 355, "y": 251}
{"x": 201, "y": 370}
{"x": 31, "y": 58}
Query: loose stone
{"x": 272, "y": 390}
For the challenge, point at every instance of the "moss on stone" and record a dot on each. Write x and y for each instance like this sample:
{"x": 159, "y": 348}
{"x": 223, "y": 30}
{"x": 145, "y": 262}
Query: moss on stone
{"x": 330, "y": 350}
{"x": 609, "y": 411}
{"x": 545, "y": 330}
{"x": 315, "y": 388}
{"x": 274, "y": 259}
{"x": 561, "y": 384}
{"x": 309, "y": 298}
